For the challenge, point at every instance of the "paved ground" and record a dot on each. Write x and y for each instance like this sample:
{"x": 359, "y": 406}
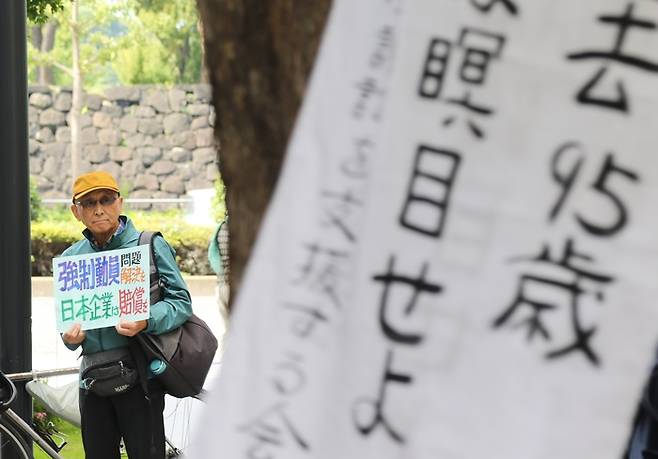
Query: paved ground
{"x": 48, "y": 351}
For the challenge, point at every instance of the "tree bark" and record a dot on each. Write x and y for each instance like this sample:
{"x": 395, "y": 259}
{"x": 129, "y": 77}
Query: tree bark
{"x": 36, "y": 36}
{"x": 49, "y": 30}
{"x": 259, "y": 54}
{"x": 43, "y": 39}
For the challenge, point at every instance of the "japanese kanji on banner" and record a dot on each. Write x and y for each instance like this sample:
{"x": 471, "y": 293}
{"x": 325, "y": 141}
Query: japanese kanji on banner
{"x": 97, "y": 290}
{"x": 461, "y": 257}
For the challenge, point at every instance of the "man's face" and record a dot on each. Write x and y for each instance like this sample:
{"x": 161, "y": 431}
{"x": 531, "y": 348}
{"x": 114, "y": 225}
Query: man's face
{"x": 99, "y": 211}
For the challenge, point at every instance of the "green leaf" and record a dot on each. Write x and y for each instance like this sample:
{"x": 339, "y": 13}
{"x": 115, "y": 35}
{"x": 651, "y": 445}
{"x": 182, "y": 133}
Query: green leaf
{"x": 39, "y": 11}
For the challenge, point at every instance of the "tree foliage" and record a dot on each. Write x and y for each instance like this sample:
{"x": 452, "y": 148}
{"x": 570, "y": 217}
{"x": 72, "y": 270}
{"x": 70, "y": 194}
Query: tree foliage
{"x": 97, "y": 28}
{"x": 42, "y": 38}
{"x": 162, "y": 43}
{"x": 259, "y": 54}
{"x": 38, "y": 11}
{"x": 126, "y": 42}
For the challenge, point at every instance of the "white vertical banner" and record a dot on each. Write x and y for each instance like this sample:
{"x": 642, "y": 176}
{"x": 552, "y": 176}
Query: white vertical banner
{"x": 460, "y": 258}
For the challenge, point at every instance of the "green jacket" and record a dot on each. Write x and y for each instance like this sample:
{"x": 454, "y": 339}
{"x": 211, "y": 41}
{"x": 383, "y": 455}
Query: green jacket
{"x": 165, "y": 315}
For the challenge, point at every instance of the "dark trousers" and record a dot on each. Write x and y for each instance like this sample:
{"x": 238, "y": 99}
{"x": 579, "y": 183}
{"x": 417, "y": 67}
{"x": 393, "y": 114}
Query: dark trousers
{"x": 105, "y": 420}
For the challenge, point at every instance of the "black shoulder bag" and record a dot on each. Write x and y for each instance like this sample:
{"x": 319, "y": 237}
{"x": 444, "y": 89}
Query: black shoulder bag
{"x": 187, "y": 351}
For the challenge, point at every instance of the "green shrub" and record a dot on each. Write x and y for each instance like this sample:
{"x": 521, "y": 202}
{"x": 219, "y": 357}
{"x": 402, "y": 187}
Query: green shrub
{"x": 36, "y": 206}
{"x": 218, "y": 203}
{"x": 58, "y": 229}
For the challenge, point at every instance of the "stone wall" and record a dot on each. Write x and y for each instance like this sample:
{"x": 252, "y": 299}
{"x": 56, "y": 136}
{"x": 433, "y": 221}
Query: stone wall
{"x": 158, "y": 142}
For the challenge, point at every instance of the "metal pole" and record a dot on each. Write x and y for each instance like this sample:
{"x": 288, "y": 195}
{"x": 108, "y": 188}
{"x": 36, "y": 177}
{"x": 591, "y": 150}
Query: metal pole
{"x": 15, "y": 298}
{"x": 34, "y": 374}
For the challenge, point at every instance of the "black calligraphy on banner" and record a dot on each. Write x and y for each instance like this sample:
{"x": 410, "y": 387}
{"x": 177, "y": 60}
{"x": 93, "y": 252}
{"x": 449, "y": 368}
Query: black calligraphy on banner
{"x": 426, "y": 205}
{"x": 371, "y": 90}
{"x": 317, "y": 295}
{"x": 320, "y": 275}
{"x": 594, "y": 91}
{"x": 338, "y": 206}
{"x": 306, "y": 317}
{"x": 288, "y": 376}
{"x": 355, "y": 166}
{"x": 368, "y": 413}
{"x": 572, "y": 273}
{"x": 322, "y": 272}
{"x": 399, "y": 301}
{"x": 428, "y": 194}
{"x": 415, "y": 285}
{"x": 272, "y": 430}
{"x": 571, "y": 280}
{"x": 477, "y": 48}
{"x": 129, "y": 259}
{"x": 610, "y": 173}
{"x": 485, "y": 6}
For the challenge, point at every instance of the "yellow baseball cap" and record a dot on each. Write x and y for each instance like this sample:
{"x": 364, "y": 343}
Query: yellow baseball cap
{"x": 92, "y": 181}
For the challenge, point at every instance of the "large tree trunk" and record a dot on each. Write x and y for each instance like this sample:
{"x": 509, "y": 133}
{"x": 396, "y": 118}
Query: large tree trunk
{"x": 258, "y": 55}
{"x": 43, "y": 39}
{"x": 36, "y": 36}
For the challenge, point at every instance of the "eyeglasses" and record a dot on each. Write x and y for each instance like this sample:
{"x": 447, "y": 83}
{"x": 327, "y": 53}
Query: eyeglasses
{"x": 105, "y": 201}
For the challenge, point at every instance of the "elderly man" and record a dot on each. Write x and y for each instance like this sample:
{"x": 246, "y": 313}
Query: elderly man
{"x": 133, "y": 415}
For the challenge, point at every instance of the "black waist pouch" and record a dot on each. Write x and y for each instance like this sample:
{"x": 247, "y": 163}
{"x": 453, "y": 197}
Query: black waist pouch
{"x": 108, "y": 373}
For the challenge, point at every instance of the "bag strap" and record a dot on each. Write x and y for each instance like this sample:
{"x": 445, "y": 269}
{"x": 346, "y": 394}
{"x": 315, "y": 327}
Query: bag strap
{"x": 155, "y": 287}
{"x": 146, "y": 237}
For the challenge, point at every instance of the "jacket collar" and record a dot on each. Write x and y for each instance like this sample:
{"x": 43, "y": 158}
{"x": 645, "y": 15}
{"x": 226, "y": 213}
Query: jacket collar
{"x": 124, "y": 232}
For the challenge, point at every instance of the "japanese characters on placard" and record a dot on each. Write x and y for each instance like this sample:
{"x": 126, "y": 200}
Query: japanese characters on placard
{"x": 571, "y": 268}
{"x": 578, "y": 275}
{"x": 320, "y": 286}
{"x": 433, "y": 178}
{"x": 97, "y": 290}
{"x": 614, "y": 60}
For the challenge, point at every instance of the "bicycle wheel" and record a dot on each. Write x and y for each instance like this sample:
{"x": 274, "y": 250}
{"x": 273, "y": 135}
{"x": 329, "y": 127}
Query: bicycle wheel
{"x": 11, "y": 441}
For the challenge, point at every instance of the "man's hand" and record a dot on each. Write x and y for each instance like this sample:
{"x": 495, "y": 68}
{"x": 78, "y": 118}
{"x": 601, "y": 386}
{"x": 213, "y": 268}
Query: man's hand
{"x": 74, "y": 335}
{"x": 131, "y": 328}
